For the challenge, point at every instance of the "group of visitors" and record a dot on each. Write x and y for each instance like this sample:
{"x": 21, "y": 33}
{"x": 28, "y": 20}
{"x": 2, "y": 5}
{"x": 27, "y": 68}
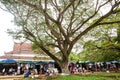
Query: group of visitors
{"x": 42, "y": 69}
{"x": 92, "y": 67}
{"x": 27, "y": 69}
{"x": 49, "y": 69}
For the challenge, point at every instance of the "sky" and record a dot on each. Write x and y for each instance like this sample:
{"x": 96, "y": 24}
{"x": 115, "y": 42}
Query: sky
{"x": 6, "y": 41}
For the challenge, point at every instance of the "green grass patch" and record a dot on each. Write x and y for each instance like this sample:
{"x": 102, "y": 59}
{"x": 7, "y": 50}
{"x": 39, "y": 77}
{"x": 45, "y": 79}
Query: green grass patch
{"x": 94, "y": 76}
{"x": 73, "y": 77}
{"x": 105, "y": 74}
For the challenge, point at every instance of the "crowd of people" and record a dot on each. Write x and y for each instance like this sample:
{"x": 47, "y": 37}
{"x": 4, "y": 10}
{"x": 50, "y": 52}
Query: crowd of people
{"x": 27, "y": 69}
{"x": 93, "y": 67}
{"x": 52, "y": 68}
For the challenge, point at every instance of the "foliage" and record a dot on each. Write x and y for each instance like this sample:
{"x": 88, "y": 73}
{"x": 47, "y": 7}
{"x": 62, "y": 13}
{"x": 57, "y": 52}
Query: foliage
{"x": 73, "y": 57}
{"x": 37, "y": 50}
{"x": 104, "y": 48}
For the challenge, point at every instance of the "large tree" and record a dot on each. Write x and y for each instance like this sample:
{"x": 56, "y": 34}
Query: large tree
{"x": 59, "y": 23}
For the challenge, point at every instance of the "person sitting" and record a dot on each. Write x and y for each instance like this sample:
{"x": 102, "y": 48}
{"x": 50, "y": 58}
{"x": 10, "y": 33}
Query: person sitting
{"x": 27, "y": 74}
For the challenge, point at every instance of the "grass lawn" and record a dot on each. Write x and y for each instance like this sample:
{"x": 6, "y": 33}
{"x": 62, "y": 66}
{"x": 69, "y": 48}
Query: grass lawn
{"x": 94, "y": 76}
{"x": 79, "y": 78}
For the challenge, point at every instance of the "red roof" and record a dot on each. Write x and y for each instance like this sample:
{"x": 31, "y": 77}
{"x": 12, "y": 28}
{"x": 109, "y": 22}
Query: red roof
{"x": 16, "y": 57}
{"x": 19, "y": 48}
{"x": 22, "y": 48}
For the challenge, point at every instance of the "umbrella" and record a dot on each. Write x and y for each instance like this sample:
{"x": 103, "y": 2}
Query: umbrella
{"x": 81, "y": 62}
{"x": 51, "y": 63}
{"x": 114, "y": 61}
{"x": 89, "y": 62}
{"x": 27, "y": 62}
{"x": 9, "y": 61}
{"x": 41, "y": 62}
{"x": 108, "y": 62}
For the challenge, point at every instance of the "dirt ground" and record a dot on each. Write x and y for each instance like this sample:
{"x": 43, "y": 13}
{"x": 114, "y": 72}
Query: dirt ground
{"x": 11, "y": 77}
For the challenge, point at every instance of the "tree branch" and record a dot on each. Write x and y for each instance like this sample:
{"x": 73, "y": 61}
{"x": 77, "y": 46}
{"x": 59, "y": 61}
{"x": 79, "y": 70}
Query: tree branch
{"x": 90, "y": 17}
{"x": 49, "y": 54}
{"x": 72, "y": 18}
{"x": 106, "y": 23}
{"x": 40, "y": 9}
{"x": 72, "y": 1}
{"x": 96, "y": 23}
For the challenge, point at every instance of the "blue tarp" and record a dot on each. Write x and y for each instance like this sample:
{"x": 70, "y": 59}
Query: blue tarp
{"x": 9, "y": 61}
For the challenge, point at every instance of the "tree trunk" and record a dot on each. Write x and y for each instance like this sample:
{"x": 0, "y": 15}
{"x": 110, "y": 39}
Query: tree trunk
{"x": 64, "y": 67}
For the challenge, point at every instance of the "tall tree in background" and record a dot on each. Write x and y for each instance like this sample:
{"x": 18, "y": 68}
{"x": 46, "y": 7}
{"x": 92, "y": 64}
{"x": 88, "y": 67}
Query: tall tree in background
{"x": 59, "y": 23}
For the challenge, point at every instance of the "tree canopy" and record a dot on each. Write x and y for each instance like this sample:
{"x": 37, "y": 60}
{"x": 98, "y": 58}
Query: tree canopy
{"x": 59, "y": 23}
{"x": 104, "y": 48}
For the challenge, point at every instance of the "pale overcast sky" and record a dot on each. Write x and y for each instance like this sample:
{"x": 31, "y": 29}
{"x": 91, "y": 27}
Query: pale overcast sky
{"x": 6, "y": 42}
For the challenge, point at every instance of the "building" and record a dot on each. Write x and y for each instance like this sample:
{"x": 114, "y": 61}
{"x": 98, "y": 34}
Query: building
{"x": 23, "y": 52}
